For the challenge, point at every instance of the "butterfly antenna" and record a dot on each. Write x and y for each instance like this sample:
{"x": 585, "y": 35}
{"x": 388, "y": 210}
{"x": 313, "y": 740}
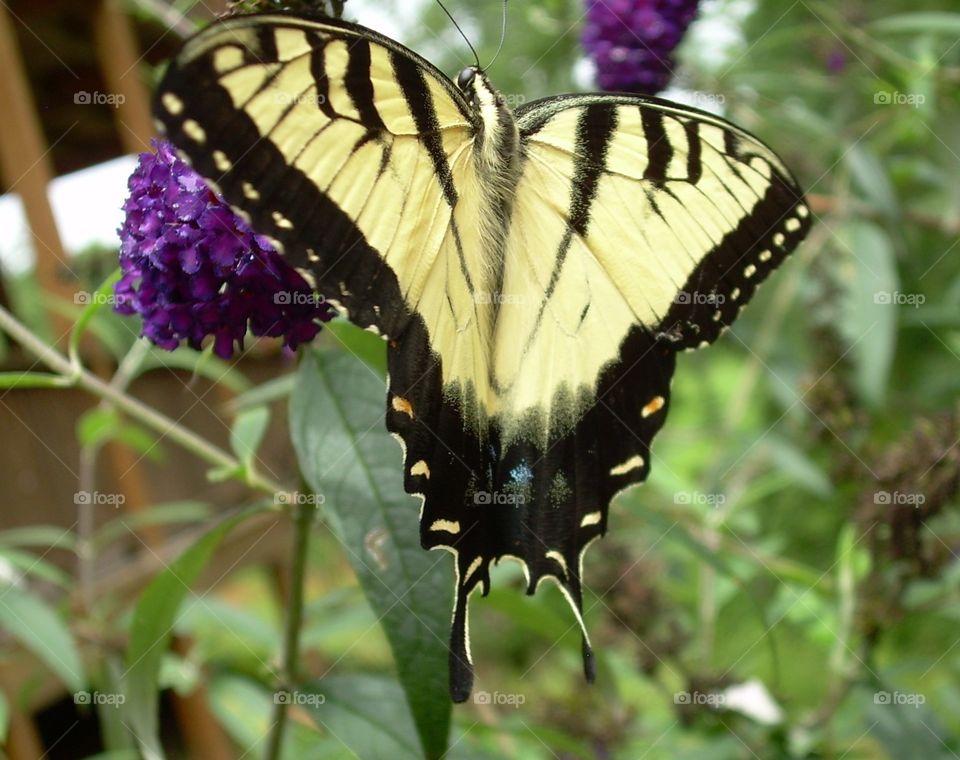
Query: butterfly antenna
{"x": 503, "y": 34}
{"x": 454, "y": 22}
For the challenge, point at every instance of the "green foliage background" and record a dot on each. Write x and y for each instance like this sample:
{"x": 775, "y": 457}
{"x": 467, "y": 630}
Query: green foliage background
{"x": 800, "y": 530}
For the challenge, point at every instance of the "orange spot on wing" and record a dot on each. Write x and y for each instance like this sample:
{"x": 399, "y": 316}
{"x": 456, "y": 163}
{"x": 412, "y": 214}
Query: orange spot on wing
{"x": 653, "y": 405}
{"x": 402, "y": 405}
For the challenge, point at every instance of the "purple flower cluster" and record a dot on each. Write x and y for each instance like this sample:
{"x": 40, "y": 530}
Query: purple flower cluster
{"x": 632, "y": 41}
{"x": 192, "y": 268}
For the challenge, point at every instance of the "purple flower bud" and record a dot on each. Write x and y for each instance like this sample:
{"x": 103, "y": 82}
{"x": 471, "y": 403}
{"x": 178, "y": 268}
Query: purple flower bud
{"x": 192, "y": 268}
{"x": 632, "y": 41}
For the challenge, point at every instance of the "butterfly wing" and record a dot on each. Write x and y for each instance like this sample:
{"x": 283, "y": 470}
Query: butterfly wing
{"x": 332, "y": 140}
{"x": 355, "y": 156}
{"x": 640, "y": 228}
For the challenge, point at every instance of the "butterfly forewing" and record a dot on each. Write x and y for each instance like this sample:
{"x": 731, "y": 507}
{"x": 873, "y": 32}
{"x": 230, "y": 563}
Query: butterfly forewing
{"x": 689, "y": 215}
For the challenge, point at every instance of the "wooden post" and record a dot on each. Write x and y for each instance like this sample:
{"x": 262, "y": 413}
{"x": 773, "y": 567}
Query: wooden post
{"x": 120, "y": 65}
{"x": 27, "y": 169}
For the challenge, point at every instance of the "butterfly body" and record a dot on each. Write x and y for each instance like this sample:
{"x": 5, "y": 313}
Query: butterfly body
{"x": 534, "y": 271}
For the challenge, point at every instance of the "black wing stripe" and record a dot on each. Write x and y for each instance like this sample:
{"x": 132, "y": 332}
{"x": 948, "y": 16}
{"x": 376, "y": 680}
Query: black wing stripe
{"x": 659, "y": 150}
{"x": 694, "y": 162}
{"x": 421, "y": 105}
{"x": 318, "y": 70}
{"x": 267, "y": 45}
{"x": 596, "y": 126}
{"x": 359, "y": 85}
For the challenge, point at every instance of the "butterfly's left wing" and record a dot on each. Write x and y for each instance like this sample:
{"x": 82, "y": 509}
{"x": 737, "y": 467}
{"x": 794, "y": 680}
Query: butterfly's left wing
{"x": 639, "y": 228}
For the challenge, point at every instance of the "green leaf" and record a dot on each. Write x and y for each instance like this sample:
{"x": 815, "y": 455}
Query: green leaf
{"x": 871, "y": 295}
{"x": 204, "y": 364}
{"x": 366, "y": 712}
{"x": 159, "y": 514}
{"x": 116, "y": 737}
{"x": 153, "y": 621}
{"x": 924, "y": 22}
{"x": 273, "y": 390}
{"x": 100, "y": 424}
{"x": 41, "y": 630}
{"x": 872, "y": 178}
{"x": 369, "y": 348}
{"x": 247, "y": 432}
{"x": 30, "y": 564}
{"x": 92, "y": 303}
{"x": 336, "y": 421}
{"x": 244, "y": 708}
{"x": 47, "y": 536}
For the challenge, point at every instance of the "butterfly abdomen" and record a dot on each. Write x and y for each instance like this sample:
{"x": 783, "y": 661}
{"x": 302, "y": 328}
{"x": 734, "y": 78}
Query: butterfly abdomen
{"x": 498, "y": 168}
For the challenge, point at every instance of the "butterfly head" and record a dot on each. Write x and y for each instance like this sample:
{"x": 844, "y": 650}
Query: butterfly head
{"x": 482, "y": 95}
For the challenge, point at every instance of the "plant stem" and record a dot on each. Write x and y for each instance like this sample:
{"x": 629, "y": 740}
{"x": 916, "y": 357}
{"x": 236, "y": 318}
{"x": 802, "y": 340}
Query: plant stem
{"x": 167, "y": 427}
{"x": 303, "y": 520}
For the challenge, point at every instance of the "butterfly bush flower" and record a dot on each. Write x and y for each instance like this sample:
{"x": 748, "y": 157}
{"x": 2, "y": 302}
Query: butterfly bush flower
{"x": 192, "y": 268}
{"x": 632, "y": 41}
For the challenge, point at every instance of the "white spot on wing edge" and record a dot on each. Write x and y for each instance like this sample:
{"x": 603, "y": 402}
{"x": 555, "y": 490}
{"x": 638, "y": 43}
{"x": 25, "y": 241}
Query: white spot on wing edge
{"x": 447, "y": 526}
{"x": 632, "y": 463}
{"x": 474, "y": 566}
{"x": 281, "y": 221}
{"x": 555, "y": 555}
{"x": 172, "y": 103}
{"x": 221, "y": 161}
{"x": 591, "y": 518}
{"x": 792, "y": 224}
{"x": 421, "y": 468}
{"x": 193, "y": 130}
